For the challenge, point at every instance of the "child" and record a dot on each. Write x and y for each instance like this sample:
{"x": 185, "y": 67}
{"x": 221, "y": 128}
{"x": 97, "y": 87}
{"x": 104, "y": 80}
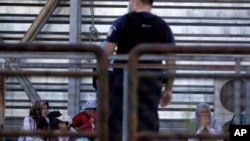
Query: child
{"x": 64, "y": 125}
{"x": 90, "y": 109}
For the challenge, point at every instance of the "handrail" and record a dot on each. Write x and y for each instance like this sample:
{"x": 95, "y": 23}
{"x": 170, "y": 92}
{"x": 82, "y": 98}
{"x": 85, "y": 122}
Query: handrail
{"x": 102, "y": 94}
{"x": 143, "y": 49}
{"x": 133, "y": 76}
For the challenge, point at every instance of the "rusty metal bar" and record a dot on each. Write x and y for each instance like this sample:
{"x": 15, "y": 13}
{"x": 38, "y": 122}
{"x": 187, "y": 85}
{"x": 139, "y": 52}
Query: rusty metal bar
{"x": 166, "y": 49}
{"x": 139, "y": 135}
{"x": 121, "y": 65}
{"x": 148, "y": 75}
{"x": 2, "y": 103}
{"x": 102, "y": 95}
{"x": 177, "y": 57}
{"x": 163, "y": 76}
{"x": 47, "y": 73}
{"x": 171, "y": 135}
{"x": 46, "y": 133}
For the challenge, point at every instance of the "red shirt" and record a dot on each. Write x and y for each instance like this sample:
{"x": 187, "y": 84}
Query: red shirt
{"x": 81, "y": 120}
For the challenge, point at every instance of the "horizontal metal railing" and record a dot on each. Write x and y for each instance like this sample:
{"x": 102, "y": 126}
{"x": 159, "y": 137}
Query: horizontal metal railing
{"x": 131, "y": 133}
{"x": 133, "y": 75}
{"x": 102, "y": 97}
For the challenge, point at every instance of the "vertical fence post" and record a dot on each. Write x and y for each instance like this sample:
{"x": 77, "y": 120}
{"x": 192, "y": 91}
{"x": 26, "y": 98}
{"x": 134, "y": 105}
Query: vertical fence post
{"x": 125, "y": 113}
{"x": 2, "y": 102}
{"x": 247, "y": 99}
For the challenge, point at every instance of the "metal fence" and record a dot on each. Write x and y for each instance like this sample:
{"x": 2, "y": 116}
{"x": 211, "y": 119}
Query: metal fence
{"x": 101, "y": 74}
{"x": 133, "y": 77}
{"x": 238, "y": 70}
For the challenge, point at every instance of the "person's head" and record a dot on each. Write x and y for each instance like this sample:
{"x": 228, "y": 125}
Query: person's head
{"x": 83, "y": 108}
{"x": 36, "y": 110}
{"x": 202, "y": 109}
{"x": 45, "y": 108}
{"x": 64, "y": 123}
{"x": 53, "y": 121}
{"x": 135, "y": 5}
{"x": 90, "y": 106}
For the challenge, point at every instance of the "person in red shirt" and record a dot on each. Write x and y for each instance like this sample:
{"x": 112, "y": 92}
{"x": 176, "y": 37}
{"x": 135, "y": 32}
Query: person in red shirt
{"x": 90, "y": 110}
{"x": 80, "y": 119}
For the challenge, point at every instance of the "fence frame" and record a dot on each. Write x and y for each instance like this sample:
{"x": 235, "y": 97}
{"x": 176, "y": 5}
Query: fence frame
{"x": 133, "y": 76}
{"x": 101, "y": 74}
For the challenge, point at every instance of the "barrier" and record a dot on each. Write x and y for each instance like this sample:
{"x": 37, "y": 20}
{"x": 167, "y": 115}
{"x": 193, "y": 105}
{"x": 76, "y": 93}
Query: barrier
{"x": 130, "y": 132}
{"x": 131, "y": 71}
{"x": 102, "y": 95}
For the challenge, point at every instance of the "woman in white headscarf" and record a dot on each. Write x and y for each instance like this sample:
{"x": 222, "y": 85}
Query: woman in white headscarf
{"x": 204, "y": 122}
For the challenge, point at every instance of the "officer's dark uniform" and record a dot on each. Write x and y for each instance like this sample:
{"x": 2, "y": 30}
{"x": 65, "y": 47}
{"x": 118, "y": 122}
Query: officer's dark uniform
{"x": 128, "y": 31}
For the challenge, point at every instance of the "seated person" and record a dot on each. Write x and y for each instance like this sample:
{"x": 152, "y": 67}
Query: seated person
{"x": 204, "y": 123}
{"x": 90, "y": 110}
{"x": 52, "y": 116}
{"x": 64, "y": 125}
{"x": 34, "y": 122}
{"x": 81, "y": 118}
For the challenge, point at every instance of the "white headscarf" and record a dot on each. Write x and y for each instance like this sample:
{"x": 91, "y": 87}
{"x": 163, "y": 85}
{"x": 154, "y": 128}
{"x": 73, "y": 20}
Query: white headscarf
{"x": 213, "y": 122}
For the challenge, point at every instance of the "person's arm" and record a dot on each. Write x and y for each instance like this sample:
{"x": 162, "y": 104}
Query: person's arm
{"x": 112, "y": 37}
{"x": 109, "y": 47}
{"x": 86, "y": 126}
{"x": 166, "y": 96}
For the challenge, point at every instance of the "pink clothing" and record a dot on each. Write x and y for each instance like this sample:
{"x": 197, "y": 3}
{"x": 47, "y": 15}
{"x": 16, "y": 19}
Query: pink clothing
{"x": 91, "y": 124}
{"x": 89, "y": 107}
{"x": 92, "y": 120}
{"x": 86, "y": 126}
